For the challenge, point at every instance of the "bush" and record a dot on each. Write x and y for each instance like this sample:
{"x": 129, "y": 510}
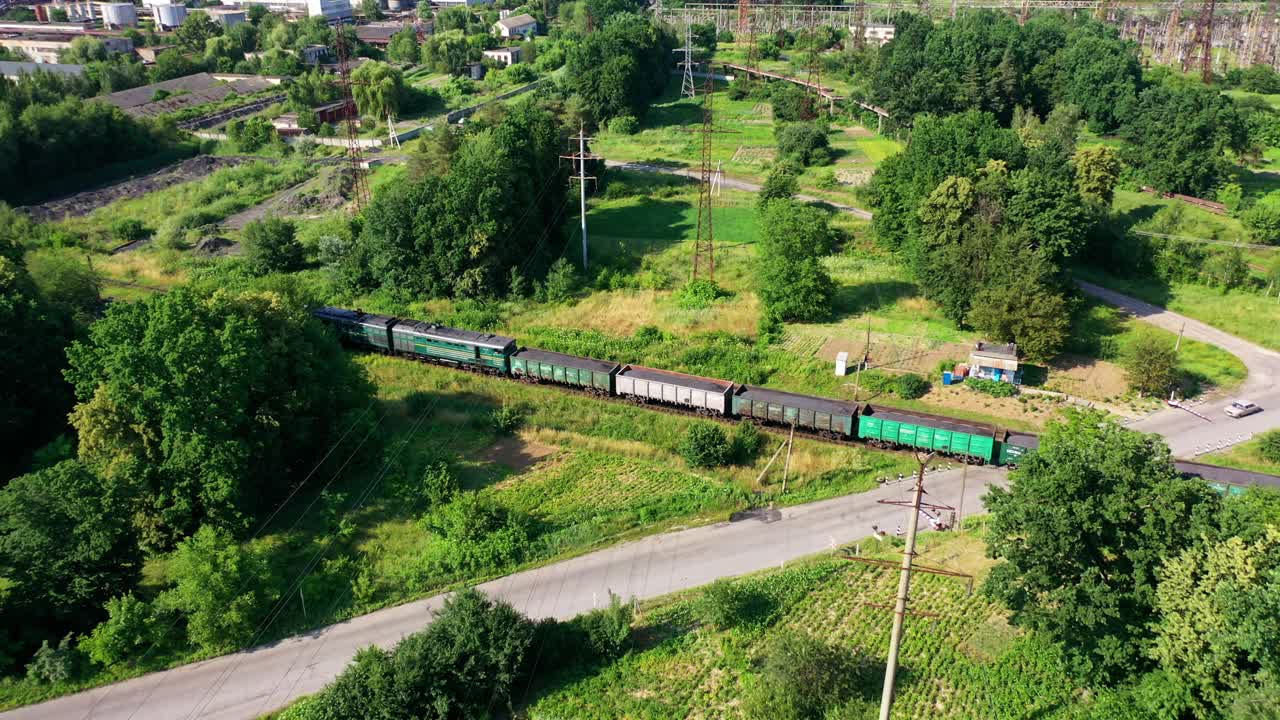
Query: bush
{"x": 624, "y": 125}
{"x": 271, "y": 246}
{"x": 994, "y": 388}
{"x": 439, "y": 484}
{"x": 54, "y": 664}
{"x": 746, "y": 443}
{"x": 910, "y": 386}
{"x": 128, "y": 230}
{"x": 699, "y": 294}
{"x": 607, "y": 631}
{"x": 482, "y": 535}
{"x": 1269, "y": 445}
{"x": 507, "y": 419}
{"x": 705, "y": 446}
{"x": 804, "y": 142}
{"x": 769, "y": 329}
{"x": 803, "y": 677}
{"x": 726, "y": 604}
{"x": 724, "y": 36}
{"x": 561, "y": 283}
{"x": 130, "y": 629}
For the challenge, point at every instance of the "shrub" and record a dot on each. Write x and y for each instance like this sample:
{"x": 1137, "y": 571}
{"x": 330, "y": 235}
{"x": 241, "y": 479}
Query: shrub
{"x": 561, "y": 283}
{"x": 507, "y": 419}
{"x": 805, "y": 143}
{"x": 705, "y": 446}
{"x": 724, "y": 36}
{"x": 747, "y": 441}
{"x": 482, "y": 535}
{"x": 607, "y": 631}
{"x": 803, "y": 677}
{"x": 910, "y": 386}
{"x": 271, "y": 245}
{"x": 1269, "y": 445}
{"x": 128, "y": 230}
{"x": 726, "y": 604}
{"x": 54, "y": 664}
{"x": 769, "y": 329}
{"x": 994, "y": 388}
{"x": 877, "y": 383}
{"x": 439, "y": 484}
{"x": 624, "y": 125}
{"x": 129, "y": 630}
{"x": 827, "y": 180}
{"x": 699, "y": 294}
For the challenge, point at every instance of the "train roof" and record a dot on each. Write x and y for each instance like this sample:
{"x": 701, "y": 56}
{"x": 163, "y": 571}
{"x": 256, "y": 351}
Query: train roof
{"x": 355, "y": 316}
{"x": 1231, "y": 476}
{"x": 674, "y": 378}
{"x": 573, "y": 361}
{"x": 455, "y": 335}
{"x": 1022, "y": 439}
{"x": 807, "y": 402}
{"x": 934, "y": 421}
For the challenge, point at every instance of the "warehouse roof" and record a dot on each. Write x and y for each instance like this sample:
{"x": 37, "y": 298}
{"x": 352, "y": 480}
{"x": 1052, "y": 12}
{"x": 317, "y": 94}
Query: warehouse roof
{"x": 517, "y": 21}
{"x": 573, "y": 361}
{"x": 674, "y": 378}
{"x": 14, "y": 69}
{"x": 1227, "y": 475}
{"x": 808, "y": 402}
{"x": 934, "y": 421}
{"x": 456, "y": 335}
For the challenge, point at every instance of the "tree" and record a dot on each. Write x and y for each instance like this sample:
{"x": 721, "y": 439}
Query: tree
{"x": 1219, "y": 607}
{"x": 433, "y": 153}
{"x": 195, "y": 31}
{"x": 794, "y": 285}
{"x": 1081, "y": 534}
{"x": 172, "y": 64}
{"x": 403, "y": 46}
{"x": 780, "y": 183}
{"x": 705, "y": 446}
{"x": 311, "y": 89}
{"x": 270, "y": 246}
{"x": 1150, "y": 364}
{"x": 372, "y": 10}
{"x": 251, "y": 135}
{"x": 1263, "y": 219}
{"x": 803, "y": 677}
{"x": 621, "y": 67}
{"x": 1269, "y": 445}
{"x": 222, "y": 588}
{"x": 34, "y": 333}
{"x": 83, "y": 51}
{"x": 264, "y": 416}
{"x": 131, "y": 629}
{"x": 1179, "y": 136}
{"x": 67, "y": 542}
{"x": 1226, "y": 269}
{"x": 378, "y": 89}
{"x": 805, "y": 143}
{"x": 1097, "y": 171}
{"x": 1101, "y": 74}
{"x": 68, "y": 283}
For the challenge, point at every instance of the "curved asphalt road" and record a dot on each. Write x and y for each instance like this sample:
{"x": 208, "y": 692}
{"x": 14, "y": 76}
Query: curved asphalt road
{"x": 248, "y": 684}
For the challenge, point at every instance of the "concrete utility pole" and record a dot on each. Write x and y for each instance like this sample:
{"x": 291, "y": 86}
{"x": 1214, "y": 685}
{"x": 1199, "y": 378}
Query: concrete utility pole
{"x": 581, "y": 157}
{"x": 904, "y": 585}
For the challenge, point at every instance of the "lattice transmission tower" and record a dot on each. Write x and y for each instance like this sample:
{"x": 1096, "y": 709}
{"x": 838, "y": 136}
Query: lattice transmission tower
{"x": 686, "y": 85}
{"x": 704, "y": 248}
{"x": 355, "y": 156}
{"x": 1202, "y": 43}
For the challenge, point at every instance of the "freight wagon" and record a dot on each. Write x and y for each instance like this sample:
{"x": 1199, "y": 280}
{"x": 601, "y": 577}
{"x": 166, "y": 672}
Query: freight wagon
{"x": 831, "y": 418}
{"x": 705, "y": 395}
{"x": 544, "y": 366}
{"x": 883, "y": 427}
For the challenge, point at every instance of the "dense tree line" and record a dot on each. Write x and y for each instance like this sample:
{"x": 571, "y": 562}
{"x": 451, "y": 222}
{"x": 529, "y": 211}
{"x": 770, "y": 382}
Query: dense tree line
{"x": 987, "y": 217}
{"x": 494, "y": 213}
{"x": 620, "y": 68}
{"x": 1147, "y": 580}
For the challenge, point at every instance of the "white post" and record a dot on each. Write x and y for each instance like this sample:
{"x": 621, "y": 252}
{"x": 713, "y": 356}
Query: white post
{"x": 582, "y": 189}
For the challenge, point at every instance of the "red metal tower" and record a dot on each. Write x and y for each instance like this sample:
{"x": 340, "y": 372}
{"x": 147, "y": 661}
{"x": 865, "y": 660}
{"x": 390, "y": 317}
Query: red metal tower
{"x": 355, "y": 157}
{"x": 1202, "y": 44}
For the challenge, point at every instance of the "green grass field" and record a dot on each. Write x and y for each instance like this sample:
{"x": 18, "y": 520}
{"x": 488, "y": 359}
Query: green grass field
{"x": 966, "y": 662}
{"x": 1245, "y": 456}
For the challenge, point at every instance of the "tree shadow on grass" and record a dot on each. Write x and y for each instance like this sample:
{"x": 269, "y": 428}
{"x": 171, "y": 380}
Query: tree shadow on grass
{"x": 854, "y": 300}
{"x": 621, "y": 236}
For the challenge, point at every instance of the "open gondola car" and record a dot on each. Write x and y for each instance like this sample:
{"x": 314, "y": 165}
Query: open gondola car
{"x": 546, "y": 366}
{"x": 833, "y": 418}
{"x": 642, "y": 384}
{"x": 885, "y": 427}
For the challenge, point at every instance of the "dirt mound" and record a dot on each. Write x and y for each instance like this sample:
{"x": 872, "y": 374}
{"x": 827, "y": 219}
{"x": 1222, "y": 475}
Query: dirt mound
{"x": 215, "y": 245}
{"x": 83, "y": 203}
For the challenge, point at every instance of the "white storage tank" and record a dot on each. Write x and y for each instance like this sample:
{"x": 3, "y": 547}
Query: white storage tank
{"x": 169, "y": 17}
{"x": 118, "y": 15}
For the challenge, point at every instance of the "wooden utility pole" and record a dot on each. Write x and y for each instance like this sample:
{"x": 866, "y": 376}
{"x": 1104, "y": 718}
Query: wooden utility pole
{"x": 786, "y": 467}
{"x": 904, "y": 586}
{"x": 964, "y": 478}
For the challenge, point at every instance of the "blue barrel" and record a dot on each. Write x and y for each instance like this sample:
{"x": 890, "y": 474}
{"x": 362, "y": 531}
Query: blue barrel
{"x": 946, "y": 378}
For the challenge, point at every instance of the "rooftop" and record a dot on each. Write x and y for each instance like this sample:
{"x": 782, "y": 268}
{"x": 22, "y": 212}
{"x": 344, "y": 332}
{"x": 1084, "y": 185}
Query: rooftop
{"x": 516, "y": 21}
{"x": 195, "y": 89}
{"x": 997, "y": 350}
{"x": 14, "y": 69}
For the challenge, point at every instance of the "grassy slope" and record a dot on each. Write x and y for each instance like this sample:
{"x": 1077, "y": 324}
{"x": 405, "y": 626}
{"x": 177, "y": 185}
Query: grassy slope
{"x": 1245, "y": 456}
{"x": 967, "y": 663}
{"x": 608, "y": 472}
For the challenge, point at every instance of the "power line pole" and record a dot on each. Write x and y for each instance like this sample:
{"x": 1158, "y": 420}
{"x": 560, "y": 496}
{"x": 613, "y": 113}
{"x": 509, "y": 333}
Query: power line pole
{"x": 581, "y": 157}
{"x": 686, "y": 85}
{"x": 904, "y": 585}
{"x": 355, "y": 157}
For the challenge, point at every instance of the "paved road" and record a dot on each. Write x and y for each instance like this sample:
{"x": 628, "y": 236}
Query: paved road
{"x": 1184, "y": 431}
{"x": 730, "y": 183}
{"x": 248, "y": 684}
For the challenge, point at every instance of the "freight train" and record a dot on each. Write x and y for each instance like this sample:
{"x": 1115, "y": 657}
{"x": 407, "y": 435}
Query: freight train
{"x": 964, "y": 440}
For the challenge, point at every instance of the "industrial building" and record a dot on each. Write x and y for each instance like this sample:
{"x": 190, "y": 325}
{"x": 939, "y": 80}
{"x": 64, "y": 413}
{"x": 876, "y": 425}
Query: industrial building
{"x": 227, "y": 17}
{"x": 516, "y": 26}
{"x": 118, "y": 15}
{"x": 15, "y": 70}
{"x": 506, "y": 55}
{"x": 44, "y": 47}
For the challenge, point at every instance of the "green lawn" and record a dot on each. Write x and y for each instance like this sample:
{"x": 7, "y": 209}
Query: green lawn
{"x": 964, "y": 661}
{"x": 1245, "y": 456}
{"x": 1243, "y": 314}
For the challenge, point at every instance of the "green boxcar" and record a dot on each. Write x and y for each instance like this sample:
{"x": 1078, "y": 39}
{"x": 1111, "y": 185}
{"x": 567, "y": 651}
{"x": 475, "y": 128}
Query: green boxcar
{"x": 1016, "y": 446}
{"x": 564, "y": 369}
{"x": 928, "y": 433}
{"x": 461, "y": 347}
{"x": 355, "y": 327}
{"x": 805, "y": 411}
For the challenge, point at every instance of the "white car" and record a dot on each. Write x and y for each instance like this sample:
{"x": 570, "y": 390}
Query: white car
{"x": 1240, "y": 408}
